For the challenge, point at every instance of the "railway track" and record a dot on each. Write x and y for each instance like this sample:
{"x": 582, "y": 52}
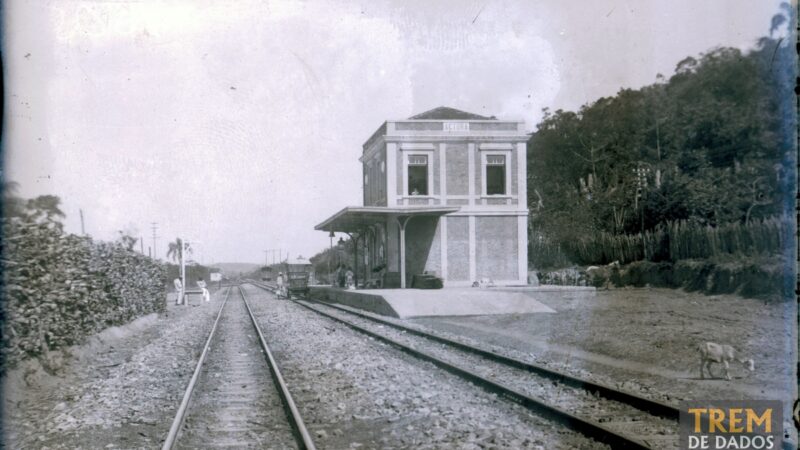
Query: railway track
{"x": 608, "y": 415}
{"x": 237, "y": 396}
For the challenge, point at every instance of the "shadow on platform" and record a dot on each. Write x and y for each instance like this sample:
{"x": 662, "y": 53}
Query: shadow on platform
{"x": 406, "y": 303}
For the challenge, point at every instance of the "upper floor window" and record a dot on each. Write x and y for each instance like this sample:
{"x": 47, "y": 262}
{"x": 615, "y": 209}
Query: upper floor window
{"x": 418, "y": 174}
{"x": 495, "y": 175}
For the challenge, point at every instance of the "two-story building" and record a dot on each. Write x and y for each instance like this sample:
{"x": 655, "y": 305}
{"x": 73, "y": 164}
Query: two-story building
{"x": 444, "y": 193}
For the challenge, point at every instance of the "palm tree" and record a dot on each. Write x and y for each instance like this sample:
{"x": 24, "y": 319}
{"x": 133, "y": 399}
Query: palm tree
{"x": 175, "y": 250}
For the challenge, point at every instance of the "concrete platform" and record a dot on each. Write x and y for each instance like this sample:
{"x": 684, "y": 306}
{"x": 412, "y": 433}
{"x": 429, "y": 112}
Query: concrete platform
{"x": 405, "y": 303}
{"x": 547, "y": 288}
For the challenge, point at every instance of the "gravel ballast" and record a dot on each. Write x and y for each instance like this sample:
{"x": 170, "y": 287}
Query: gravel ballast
{"x": 120, "y": 390}
{"x": 235, "y": 402}
{"x": 632, "y": 422}
{"x": 356, "y": 392}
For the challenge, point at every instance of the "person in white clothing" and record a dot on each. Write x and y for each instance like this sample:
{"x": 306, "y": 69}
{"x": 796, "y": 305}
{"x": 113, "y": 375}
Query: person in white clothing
{"x": 202, "y": 285}
{"x": 178, "y": 291}
{"x": 279, "y": 283}
{"x": 350, "y": 278}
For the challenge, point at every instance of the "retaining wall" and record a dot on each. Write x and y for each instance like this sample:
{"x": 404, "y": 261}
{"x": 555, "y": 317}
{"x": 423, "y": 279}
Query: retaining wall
{"x": 356, "y": 299}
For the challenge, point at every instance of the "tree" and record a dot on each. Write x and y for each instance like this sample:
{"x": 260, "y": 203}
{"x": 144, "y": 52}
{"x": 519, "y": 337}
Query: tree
{"x": 712, "y": 144}
{"x": 175, "y": 250}
{"x": 127, "y": 240}
{"x": 47, "y": 206}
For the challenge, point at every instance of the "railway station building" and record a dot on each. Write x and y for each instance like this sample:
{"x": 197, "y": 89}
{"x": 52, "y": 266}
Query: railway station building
{"x": 444, "y": 194}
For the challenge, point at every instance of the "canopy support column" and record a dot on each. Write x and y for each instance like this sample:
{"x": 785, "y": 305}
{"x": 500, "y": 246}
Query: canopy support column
{"x": 355, "y": 262}
{"x": 402, "y": 221}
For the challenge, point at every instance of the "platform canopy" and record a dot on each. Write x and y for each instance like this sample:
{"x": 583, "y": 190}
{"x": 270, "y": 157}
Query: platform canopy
{"x": 356, "y": 219}
{"x": 353, "y": 219}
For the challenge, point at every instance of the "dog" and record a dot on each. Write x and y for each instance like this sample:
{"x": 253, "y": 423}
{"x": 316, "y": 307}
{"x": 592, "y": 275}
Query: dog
{"x": 483, "y": 283}
{"x": 711, "y": 352}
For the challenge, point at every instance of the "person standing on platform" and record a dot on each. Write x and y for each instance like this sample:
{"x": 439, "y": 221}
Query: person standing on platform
{"x": 202, "y": 285}
{"x": 178, "y": 291}
{"x": 340, "y": 276}
{"x": 279, "y": 283}
{"x": 349, "y": 277}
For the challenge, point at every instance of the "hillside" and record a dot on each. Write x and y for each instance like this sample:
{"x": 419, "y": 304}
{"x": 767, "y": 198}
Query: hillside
{"x": 234, "y": 268}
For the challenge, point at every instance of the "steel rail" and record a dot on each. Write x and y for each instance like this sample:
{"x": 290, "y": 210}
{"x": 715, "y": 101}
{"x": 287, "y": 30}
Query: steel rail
{"x": 302, "y": 436}
{"x": 649, "y": 405}
{"x": 177, "y": 422}
{"x": 587, "y": 427}
{"x": 652, "y": 406}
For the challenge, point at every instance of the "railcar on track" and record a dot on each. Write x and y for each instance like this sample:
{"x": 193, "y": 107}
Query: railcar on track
{"x": 295, "y": 277}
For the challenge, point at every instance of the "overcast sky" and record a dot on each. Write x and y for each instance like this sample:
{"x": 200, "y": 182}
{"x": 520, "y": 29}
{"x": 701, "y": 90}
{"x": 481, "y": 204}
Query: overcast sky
{"x": 239, "y": 124}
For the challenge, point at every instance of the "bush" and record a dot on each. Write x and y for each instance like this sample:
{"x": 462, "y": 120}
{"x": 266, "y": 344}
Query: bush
{"x": 599, "y": 280}
{"x": 693, "y": 275}
{"x": 60, "y": 288}
{"x": 643, "y": 273}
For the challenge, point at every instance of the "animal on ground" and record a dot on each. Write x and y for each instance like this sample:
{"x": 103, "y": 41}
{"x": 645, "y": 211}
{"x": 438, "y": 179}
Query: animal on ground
{"x": 483, "y": 283}
{"x": 711, "y": 353}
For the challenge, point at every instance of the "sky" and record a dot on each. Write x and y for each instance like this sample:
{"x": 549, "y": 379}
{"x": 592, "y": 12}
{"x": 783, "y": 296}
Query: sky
{"x": 238, "y": 125}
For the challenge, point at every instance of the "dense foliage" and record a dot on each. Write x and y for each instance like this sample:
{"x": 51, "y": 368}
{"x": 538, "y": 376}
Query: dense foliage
{"x": 710, "y": 146}
{"x": 326, "y": 261}
{"x": 60, "y": 288}
{"x": 683, "y": 240}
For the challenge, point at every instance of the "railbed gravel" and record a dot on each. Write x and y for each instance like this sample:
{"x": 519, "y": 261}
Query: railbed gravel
{"x": 627, "y": 385}
{"x": 355, "y": 392}
{"x": 567, "y": 366}
{"x": 235, "y": 402}
{"x": 623, "y": 418}
{"x": 118, "y": 395}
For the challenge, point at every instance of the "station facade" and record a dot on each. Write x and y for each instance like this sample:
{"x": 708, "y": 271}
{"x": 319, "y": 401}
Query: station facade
{"x": 445, "y": 194}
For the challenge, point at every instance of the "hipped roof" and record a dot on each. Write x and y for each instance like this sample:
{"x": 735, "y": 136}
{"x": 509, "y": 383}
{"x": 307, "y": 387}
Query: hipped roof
{"x": 447, "y": 113}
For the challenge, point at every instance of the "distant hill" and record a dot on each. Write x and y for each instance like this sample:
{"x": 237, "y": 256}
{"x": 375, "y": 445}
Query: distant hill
{"x": 235, "y": 268}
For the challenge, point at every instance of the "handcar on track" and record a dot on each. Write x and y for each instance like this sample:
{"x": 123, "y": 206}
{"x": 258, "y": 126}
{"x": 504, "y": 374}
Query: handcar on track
{"x": 295, "y": 277}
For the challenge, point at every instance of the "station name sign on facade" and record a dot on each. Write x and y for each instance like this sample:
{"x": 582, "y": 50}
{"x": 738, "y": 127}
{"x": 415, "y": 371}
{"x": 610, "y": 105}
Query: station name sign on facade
{"x": 455, "y": 126}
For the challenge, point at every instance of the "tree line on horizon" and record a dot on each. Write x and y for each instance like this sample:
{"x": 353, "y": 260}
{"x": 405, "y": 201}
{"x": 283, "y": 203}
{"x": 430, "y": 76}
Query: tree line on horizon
{"x": 709, "y": 146}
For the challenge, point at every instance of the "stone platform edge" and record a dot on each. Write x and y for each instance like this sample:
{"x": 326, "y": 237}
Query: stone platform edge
{"x": 357, "y": 299}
